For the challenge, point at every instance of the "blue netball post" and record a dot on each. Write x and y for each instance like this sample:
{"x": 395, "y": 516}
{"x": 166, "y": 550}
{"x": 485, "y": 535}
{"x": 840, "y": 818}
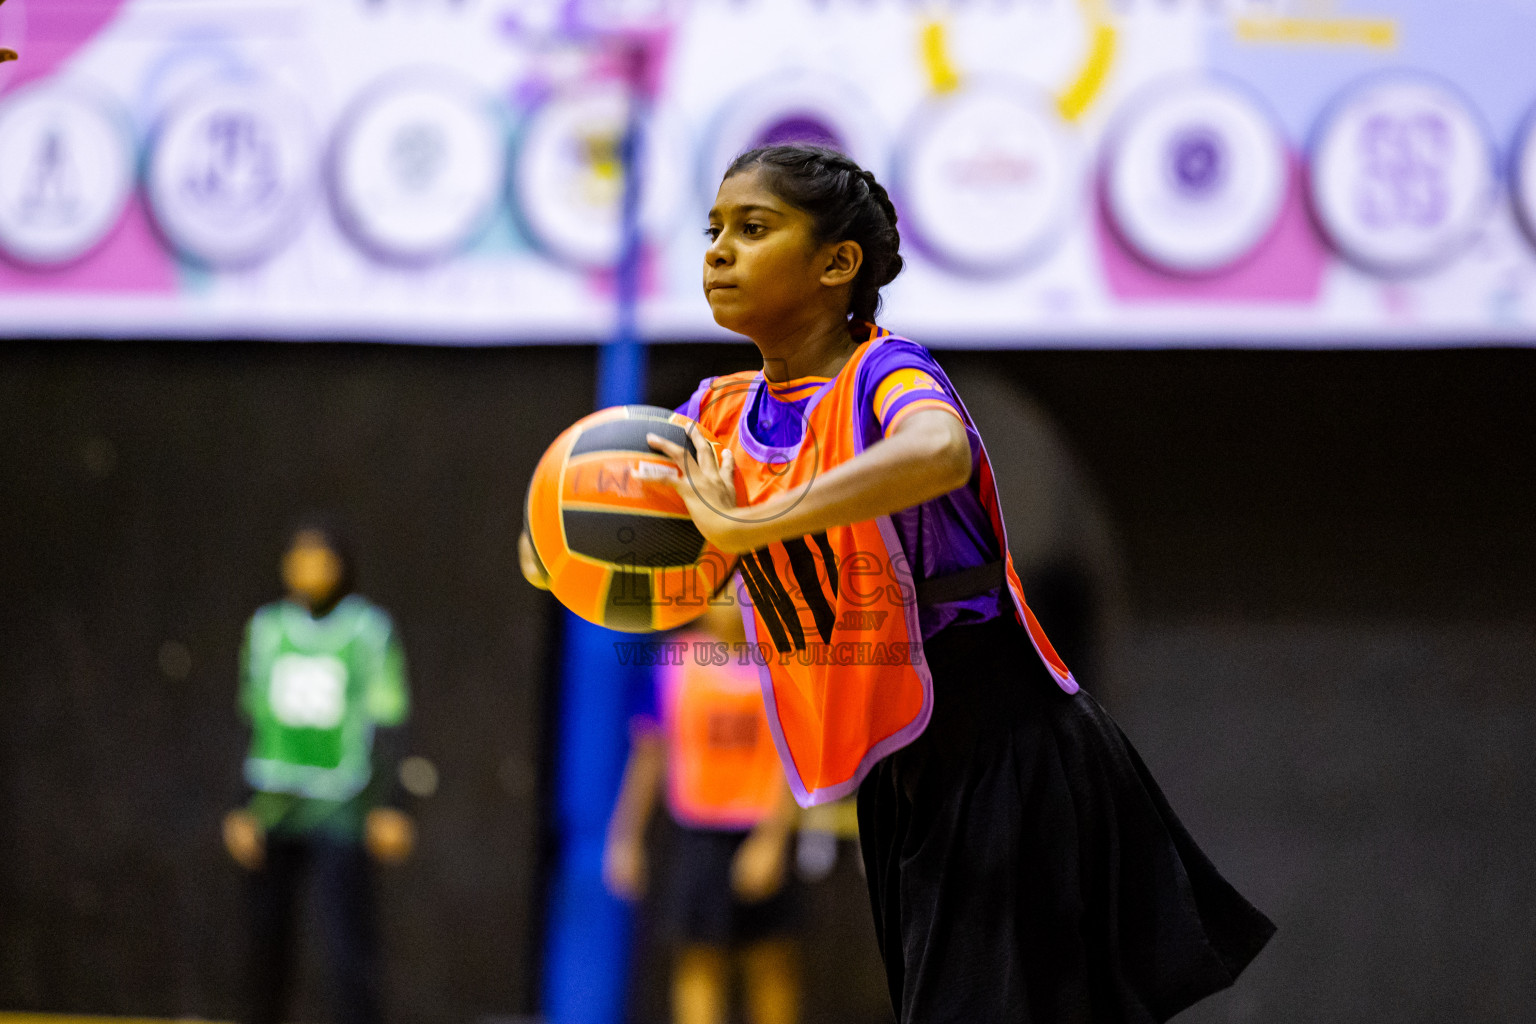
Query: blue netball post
{"x": 588, "y": 940}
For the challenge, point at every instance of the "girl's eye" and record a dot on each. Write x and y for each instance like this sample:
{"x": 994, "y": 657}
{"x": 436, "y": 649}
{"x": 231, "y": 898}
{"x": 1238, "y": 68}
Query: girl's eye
{"x": 751, "y": 229}
{"x": 711, "y": 232}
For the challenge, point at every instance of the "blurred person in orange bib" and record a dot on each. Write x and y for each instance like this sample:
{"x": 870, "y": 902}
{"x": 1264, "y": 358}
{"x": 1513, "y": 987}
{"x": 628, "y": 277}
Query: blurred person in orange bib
{"x": 723, "y": 896}
{"x": 323, "y": 685}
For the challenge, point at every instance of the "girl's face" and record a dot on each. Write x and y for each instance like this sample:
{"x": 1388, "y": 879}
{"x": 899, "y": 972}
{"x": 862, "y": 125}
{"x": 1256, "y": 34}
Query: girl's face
{"x": 763, "y": 269}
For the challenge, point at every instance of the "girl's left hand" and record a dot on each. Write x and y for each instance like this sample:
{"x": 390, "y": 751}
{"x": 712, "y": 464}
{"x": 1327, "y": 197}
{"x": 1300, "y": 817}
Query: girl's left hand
{"x": 708, "y": 489}
{"x": 528, "y": 560}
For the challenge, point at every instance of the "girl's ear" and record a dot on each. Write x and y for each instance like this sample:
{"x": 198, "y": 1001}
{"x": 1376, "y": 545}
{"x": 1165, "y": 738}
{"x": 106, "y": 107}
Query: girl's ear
{"x": 840, "y": 263}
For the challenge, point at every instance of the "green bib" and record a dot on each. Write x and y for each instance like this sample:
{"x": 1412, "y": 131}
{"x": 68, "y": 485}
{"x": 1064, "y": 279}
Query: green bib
{"x": 314, "y": 690}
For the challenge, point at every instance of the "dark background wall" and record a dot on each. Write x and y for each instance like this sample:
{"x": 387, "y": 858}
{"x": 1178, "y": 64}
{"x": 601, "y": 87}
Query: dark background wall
{"x": 1329, "y": 560}
{"x": 1329, "y": 660}
{"x": 146, "y": 494}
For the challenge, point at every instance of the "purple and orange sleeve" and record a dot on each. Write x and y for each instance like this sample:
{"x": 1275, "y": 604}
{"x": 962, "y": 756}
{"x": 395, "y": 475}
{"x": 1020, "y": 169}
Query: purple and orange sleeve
{"x": 906, "y": 390}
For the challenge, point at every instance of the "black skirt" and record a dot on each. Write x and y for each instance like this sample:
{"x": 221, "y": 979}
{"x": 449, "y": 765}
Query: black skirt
{"x": 1023, "y": 864}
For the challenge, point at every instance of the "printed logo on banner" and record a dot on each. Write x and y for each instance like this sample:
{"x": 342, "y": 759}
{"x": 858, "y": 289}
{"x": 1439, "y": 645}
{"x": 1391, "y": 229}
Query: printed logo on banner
{"x": 568, "y": 181}
{"x": 66, "y": 169}
{"x": 231, "y": 173}
{"x": 989, "y": 178}
{"x": 1402, "y": 174}
{"x": 1196, "y": 176}
{"x": 806, "y": 108}
{"x": 418, "y": 169}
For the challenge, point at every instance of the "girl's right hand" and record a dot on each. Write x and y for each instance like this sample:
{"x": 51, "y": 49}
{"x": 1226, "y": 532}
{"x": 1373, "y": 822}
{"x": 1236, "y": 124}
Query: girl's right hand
{"x": 707, "y": 486}
{"x": 625, "y": 870}
{"x": 244, "y": 840}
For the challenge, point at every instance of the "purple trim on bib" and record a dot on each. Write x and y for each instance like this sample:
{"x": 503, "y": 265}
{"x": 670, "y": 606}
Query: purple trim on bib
{"x": 768, "y": 453}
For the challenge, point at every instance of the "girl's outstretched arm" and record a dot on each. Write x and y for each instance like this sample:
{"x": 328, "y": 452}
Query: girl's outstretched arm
{"x": 928, "y": 455}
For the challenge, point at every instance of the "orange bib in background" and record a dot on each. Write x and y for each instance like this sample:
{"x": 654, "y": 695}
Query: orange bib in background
{"x": 833, "y": 618}
{"x": 722, "y": 769}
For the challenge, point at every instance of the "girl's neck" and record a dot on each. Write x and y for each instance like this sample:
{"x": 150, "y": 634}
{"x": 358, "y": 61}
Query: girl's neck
{"x": 814, "y": 351}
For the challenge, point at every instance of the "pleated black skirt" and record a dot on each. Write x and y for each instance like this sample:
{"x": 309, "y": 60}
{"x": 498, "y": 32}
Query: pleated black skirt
{"x": 1024, "y": 866}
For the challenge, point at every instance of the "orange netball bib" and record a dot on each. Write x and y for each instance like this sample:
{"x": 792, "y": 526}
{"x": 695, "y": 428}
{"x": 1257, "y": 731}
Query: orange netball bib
{"x": 833, "y": 618}
{"x": 722, "y": 769}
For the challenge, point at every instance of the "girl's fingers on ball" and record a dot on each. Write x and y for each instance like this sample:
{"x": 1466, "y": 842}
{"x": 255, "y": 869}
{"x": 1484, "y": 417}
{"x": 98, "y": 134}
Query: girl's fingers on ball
{"x": 701, "y": 445}
{"x": 670, "y": 449}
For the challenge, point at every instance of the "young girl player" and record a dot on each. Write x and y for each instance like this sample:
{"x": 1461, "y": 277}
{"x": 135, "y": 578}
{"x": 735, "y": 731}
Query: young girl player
{"x": 1022, "y": 863}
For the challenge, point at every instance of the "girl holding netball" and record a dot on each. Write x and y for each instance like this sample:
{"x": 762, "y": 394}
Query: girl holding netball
{"x": 1022, "y": 863}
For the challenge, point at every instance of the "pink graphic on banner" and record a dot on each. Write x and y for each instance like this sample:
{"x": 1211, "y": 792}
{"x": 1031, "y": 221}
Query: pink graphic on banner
{"x": 1286, "y": 267}
{"x": 131, "y": 259}
{"x": 55, "y": 29}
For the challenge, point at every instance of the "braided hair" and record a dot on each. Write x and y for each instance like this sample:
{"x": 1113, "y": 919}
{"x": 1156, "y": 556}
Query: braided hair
{"x": 845, "y": 203}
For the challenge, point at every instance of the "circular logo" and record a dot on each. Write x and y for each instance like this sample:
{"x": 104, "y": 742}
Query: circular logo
{"x": 794, "y": 108}
{"x": 1525, "y": 175}
{"x": 1402, "y": 173}
{"x": 231, "y": 173}
{"x": 66, "y": 168}
{"x": 418, "y": 169}
{"x": 568, "y": 176}
{"x": 1195, "y": 176}
{"x": 988, "y": 177}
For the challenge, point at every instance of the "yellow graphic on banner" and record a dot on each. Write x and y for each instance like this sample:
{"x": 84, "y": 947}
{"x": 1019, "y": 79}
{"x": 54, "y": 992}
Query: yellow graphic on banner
{"x": 602, "y": 182}
{"x": 1074, "y": 100}
{"x": 942, "y": 76}
{"x": 1373, "y": 33}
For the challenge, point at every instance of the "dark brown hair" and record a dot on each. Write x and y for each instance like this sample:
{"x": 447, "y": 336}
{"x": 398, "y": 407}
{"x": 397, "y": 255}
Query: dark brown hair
{"x": 845, "y": 202}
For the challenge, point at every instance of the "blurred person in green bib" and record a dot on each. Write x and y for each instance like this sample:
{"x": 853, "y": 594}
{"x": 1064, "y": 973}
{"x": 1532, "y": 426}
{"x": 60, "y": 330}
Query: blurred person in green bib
{"x": 323, "y": 684}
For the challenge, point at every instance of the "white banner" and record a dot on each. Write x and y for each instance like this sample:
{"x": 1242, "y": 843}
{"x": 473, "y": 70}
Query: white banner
{"x": 1068, "y": 172}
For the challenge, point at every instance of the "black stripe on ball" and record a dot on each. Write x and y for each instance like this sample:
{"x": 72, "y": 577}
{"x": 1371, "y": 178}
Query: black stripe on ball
{"x": 632, "y": 539}
{"x": 629, "y": 435}
{"x": 628, "y": 604}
